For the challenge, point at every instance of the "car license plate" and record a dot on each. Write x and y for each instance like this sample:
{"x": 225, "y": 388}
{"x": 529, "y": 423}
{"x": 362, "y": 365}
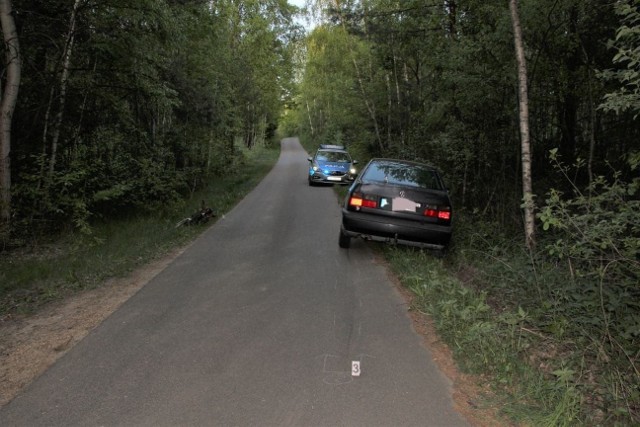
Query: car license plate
{"x": 402, "y": 204}
{"x": 334, "y": 178}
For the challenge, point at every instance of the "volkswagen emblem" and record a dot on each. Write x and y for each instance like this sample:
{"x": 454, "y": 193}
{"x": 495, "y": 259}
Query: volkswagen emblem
{"x": 402, "y": 194}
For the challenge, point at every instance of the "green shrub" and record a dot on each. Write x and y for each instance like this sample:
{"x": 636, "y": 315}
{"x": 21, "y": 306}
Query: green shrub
{"x": 594, "y": 239}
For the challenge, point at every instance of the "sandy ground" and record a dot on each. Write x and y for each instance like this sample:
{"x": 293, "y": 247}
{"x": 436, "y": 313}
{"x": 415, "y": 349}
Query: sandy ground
{"x": 30, "y": 344}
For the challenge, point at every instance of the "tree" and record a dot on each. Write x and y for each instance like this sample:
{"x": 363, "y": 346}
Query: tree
{"x": 64, "y": 79}
{"x": 328, "y": 91}
{"x": 9, "y": 96}
{"x": 527, "y": 188}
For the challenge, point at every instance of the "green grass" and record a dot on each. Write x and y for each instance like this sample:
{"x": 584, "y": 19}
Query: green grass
{"x": 74, "y": 261}
{"x": 485, "y": 339}
{"x": 521, "y": 323}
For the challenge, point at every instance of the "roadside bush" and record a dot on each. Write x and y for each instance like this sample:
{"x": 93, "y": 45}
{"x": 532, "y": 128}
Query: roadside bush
{"x": 594, "y": 239}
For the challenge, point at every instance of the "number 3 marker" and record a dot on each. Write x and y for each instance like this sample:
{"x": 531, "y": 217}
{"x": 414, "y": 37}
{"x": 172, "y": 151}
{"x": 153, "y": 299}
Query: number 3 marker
{"x": 355, "y": 369}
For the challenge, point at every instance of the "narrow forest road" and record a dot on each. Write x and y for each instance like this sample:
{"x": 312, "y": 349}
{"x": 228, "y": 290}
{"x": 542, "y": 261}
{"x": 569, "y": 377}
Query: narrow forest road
{"x": 256, "y": 323}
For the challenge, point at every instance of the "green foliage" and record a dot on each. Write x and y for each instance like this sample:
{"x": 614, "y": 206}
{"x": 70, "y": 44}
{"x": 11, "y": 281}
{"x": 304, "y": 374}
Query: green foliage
{"x": 627, "y": 97}
{"x": 595, "y": 236}
{"x": 573, "y": 306}
{"x": 422, "y": 81}
{"x": 597, "y": 229}
{"x": 326, "y": 100}
{"x": 157, "y": 95}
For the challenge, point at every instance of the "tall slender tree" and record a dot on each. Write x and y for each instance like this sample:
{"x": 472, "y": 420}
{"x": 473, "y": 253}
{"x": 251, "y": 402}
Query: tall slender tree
{"x": 9, "y": 96}
{"x": 64, "y": 81}
{"x": 527, "y": 189}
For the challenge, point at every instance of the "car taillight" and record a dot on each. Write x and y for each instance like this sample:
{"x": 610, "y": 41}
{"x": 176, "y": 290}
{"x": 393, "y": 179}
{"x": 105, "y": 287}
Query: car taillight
{"x": 360, "y": 201}
{"x": 440, "y": 213}
{"x": 446, "y": 215}
{"x": 431, "y": 213}
{"x": 355, "y": 201}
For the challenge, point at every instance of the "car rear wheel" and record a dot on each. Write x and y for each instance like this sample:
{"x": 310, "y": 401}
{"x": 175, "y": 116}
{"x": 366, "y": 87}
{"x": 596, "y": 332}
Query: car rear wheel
{"x": 344, "y": 241}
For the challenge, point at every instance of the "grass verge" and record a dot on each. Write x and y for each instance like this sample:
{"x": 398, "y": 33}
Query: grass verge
{"x": 514, "y": 319}
{"x": 483, "y": 342}
{"x": 52, "y": 270}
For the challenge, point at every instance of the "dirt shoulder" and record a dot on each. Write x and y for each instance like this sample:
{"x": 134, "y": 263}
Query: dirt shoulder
{"x": 469, "y": 392}
{"x": 30, "y": 344}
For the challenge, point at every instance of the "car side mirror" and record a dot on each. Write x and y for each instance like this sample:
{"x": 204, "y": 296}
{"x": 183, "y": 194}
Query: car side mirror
{"x": 355, "y": 162}
{"x": 310, "y": 159}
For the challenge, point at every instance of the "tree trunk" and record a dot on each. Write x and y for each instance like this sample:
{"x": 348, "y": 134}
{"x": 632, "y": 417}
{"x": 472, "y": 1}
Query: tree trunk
{"x": 452, "y": 10}
{"x": 527, "y": 191}
{"x": 400, "y": 109}
{"x": 389, "y": 108}
{"x": 592, "y": 117}
{"x": 310, "y": 121}
{"x": 45, "y": 135}
{"x": 64, "y": 78}
{"x": 370, "y": 106}
{"x": 9, "y": 97}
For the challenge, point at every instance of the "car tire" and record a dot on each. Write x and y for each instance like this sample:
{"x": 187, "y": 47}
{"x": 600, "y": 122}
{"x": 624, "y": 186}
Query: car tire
{"x": 311, "y": 183}
{"x": 344, "y": 241}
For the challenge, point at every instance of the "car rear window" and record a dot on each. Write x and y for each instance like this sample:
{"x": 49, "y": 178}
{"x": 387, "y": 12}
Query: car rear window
{"x": 403, "y": 174}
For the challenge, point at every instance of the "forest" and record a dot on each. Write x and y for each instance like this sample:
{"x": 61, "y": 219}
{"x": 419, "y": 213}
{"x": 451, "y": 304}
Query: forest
{"x": 114, "y": 107}
{"x": 129, "y": 105}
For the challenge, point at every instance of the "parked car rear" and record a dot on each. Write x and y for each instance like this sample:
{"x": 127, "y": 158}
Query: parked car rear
{"x": 398, "y": 202}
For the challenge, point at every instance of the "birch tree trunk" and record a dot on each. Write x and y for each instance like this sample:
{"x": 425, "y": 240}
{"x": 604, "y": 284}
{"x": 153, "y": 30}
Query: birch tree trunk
{"x": 310, "y": 121}
{"x": 387, "y": 80}
{"x": 9, "y": 97}
{"x": 370, "y": 106}
{"x": 527, "y": 191}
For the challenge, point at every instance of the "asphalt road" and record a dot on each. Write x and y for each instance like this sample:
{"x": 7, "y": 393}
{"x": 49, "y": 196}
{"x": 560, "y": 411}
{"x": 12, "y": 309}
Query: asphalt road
{"x": 255, "y": 324}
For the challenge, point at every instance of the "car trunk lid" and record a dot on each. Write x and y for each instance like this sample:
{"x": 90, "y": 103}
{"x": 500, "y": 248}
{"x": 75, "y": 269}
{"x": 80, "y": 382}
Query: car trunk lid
{"x": 401, "y": 201}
